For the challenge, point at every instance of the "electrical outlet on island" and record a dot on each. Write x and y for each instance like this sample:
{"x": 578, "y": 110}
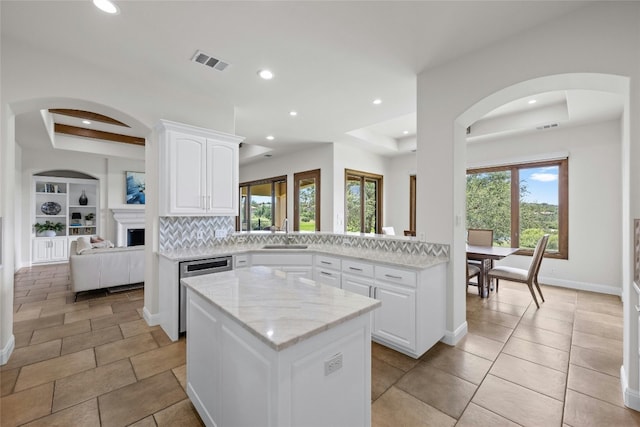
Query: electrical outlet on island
{"x": 200, "y": 234}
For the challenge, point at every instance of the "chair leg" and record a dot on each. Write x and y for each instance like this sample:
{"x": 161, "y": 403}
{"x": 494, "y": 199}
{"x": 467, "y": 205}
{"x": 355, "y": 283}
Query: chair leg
{"x": 497, "y": 284}
{"x": 538, "y": 287}
{"x": 480, "y": 284}
{"x": 533, "y": 294}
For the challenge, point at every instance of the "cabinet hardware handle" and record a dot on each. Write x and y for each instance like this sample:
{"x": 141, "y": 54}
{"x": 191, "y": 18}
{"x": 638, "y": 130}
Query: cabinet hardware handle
{"x": 393, "y": 277}
{"x": 209, "y": 202}
{"x": 375, "y": 293}
{"x": 638, "y": 308}
{"x": 325, "y": 262}
{"x": 354, "y": 268}
{"x": 202, "y": 203}
{"x": 324, "y": 273}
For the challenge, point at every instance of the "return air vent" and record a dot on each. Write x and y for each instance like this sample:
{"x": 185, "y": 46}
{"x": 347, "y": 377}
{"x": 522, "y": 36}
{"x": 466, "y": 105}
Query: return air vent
{"x": 549, "y": 126}
{"x": 208, "y": 60}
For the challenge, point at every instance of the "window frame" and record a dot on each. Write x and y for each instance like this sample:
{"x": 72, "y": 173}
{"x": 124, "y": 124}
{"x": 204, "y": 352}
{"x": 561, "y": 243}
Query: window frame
{"x": 364, "y": 176}
{"x": 297, "y": 177}
{"x": 563, "y": 202}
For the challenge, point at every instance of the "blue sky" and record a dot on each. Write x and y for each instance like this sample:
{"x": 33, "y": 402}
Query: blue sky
{"x": 542, "y": 184}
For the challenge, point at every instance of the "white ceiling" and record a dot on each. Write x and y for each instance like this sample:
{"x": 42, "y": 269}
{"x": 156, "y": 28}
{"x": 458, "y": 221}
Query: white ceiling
{"x": 330, "y": 59}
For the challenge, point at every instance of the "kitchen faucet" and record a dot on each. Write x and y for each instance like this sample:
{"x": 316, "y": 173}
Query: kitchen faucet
{"x": 285, "y": 227}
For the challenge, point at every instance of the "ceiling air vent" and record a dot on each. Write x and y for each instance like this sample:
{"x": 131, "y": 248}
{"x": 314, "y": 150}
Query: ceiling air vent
{"x": 549, "y": 126}
{"x": 208, "y": 60}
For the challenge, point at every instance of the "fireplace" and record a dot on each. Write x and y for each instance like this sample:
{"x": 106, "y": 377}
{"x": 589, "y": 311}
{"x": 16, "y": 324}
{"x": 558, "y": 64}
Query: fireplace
{"x": 130, "y": 219}
{"x": 135, "y": 237}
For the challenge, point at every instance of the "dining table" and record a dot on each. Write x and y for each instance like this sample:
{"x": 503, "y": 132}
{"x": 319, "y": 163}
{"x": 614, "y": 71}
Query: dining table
{"x": 486, "y": 255}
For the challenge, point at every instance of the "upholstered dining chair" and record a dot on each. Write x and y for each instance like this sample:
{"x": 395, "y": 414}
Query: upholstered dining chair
{"x": 474, "y": 271}
{"x": 479, "y": 237}
{"x": 520, "y": 275}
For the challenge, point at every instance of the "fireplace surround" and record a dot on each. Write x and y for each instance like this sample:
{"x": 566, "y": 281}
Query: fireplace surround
{"x": 127, "y": 219}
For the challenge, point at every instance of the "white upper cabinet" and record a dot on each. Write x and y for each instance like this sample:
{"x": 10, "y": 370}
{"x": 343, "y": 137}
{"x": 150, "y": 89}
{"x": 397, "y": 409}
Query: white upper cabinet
{"x": 198, "y": 171}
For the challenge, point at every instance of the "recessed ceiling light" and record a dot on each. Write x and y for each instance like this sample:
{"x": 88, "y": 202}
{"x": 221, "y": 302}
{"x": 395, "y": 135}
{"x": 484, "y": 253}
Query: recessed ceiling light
{"x": 377, "y": 101}
{"x": 265, "y": 74}
{"x": 532, "y": 101}
{"x": 405, "y": 132}
{"x": 293, "y": 113}
{"x": 271, "y": 137}
{"x": 86, "y": 122}
{"x": 107, "y": 6}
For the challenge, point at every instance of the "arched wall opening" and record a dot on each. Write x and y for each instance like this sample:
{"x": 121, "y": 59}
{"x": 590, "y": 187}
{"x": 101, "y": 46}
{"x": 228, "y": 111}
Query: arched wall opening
{"x": 615, "y": 84}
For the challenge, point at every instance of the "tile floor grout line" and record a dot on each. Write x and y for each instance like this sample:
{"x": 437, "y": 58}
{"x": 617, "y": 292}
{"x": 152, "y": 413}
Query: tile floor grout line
{"x": 489, "y": 370}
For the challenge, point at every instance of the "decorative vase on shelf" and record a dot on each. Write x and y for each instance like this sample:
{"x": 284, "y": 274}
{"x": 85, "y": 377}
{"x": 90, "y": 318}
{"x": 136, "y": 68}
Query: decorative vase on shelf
{"x": 49, "y": 233}
{"x": 83, "y": 199}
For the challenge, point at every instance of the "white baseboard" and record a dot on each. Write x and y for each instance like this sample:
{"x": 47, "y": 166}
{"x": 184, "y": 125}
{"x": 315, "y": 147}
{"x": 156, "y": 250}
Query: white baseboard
{"x": 151, "y": 319}
{"x": 581, "y": 286}
{"x": 631, "y": 397}
{"x": 452, "y": 338}
{"x": 5, "y": 353}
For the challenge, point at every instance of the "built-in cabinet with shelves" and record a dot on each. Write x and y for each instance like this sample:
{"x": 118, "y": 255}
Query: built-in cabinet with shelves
{"x": 57, "y": 199}
{"x": 199, "y": 171}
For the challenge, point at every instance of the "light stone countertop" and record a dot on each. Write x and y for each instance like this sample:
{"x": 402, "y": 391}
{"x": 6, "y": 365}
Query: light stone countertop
{"x": 397, "y": 259}
{"x": 277, "y": 309}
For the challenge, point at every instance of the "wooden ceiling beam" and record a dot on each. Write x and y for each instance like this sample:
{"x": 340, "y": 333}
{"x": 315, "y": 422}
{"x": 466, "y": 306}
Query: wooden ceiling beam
{"x": 98, "y": 134}
{"x": 88, "y": 115}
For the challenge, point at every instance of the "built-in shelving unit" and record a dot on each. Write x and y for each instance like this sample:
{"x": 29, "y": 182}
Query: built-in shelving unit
{"x": 57, "y": 200}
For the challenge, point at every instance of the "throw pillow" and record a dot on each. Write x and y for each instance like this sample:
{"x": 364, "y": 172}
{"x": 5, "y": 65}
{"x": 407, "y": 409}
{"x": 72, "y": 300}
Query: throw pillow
{"x": 83, "y": 244}
{"x": 102, "y": 244}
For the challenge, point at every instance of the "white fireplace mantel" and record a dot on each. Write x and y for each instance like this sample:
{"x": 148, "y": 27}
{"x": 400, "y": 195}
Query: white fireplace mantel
{"x": 127, "y": 218}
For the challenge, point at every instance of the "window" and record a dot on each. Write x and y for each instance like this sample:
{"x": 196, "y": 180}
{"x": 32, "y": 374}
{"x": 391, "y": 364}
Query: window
{"x": 363, "y": 197}
{"x": 263, "y": 204}
{"x": 520, "y": 203}
{"x": 306, "y": 208}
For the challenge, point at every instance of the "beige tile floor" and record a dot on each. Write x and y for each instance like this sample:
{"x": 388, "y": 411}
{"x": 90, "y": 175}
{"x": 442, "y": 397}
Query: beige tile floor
{"x": 96, "y": 362}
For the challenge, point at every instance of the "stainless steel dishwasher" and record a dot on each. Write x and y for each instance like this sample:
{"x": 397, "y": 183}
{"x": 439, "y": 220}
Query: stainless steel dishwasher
{"x": 198, "y": 268}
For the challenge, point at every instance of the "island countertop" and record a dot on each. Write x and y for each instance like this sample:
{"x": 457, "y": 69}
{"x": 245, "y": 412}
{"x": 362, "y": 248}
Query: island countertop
{"x": 277, "y": 309}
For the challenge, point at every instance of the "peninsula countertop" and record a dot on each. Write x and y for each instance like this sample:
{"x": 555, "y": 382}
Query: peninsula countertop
{"x": 277, "y": 309}
{"x": 417, "y": 262}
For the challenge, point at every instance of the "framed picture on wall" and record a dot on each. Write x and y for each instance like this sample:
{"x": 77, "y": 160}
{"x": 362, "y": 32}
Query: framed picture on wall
{"x": 134, "y": 182}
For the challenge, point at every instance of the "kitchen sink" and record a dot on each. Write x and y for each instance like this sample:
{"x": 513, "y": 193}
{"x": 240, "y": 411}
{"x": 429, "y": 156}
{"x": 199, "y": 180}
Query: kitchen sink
{"x": 285, "y": 247}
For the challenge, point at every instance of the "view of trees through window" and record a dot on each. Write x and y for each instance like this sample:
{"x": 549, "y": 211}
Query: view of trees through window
{"x": 307, "y": 201}
{"x": 519, "y": 203}
{"x": 263, "y": 204}
{"x": 362, "y": 208}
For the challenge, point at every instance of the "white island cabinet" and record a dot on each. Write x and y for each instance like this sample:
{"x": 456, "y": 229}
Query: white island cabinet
{"x": 267, "y": 349}
{"x": 201, "y": 171}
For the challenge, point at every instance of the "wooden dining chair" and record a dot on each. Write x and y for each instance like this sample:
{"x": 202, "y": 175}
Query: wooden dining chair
{"x": 529, "y": 276}
{"x": 479, "y": 237}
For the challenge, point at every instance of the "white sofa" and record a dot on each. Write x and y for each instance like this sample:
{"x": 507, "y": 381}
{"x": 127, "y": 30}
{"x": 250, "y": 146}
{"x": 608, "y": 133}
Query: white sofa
{"x": 105, "y": 267}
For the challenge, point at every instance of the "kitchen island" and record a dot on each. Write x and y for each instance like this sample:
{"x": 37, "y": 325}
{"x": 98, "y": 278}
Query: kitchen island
{"x": 270, "y": 350}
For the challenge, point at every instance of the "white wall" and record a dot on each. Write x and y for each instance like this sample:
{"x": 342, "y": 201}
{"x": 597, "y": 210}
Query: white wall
{"x": 320, "y": 157}
{"x": 397, "y": 195}
{"x": 595, "y": 202}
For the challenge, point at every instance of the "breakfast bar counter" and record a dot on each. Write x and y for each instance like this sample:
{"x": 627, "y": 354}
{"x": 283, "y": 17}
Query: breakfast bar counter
{"x": 267, "y": 349}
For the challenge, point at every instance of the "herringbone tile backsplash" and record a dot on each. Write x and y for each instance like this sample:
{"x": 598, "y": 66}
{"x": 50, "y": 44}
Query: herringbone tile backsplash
{"x": 182, "y": 233}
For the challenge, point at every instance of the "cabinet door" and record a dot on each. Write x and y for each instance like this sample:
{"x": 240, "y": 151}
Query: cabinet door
{"x": 357, "y": 285}
{"x": 41, "y": 250}
{"x": 222, "y": 178}
{"x": 187, "y": 157}
{"x": 395, "y": 320}
{"x": 58, "y": 249}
